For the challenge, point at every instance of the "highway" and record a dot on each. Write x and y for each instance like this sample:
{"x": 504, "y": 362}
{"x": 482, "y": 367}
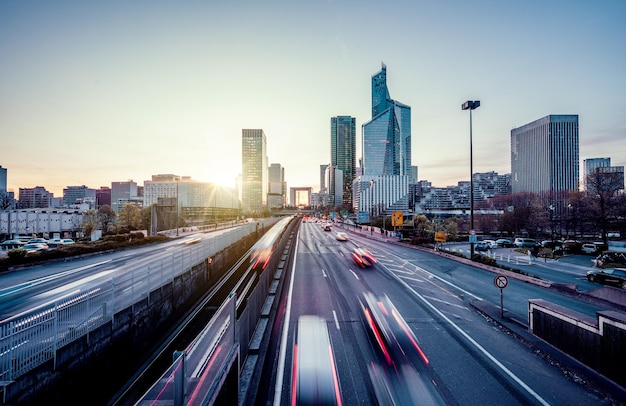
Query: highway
{"x": 470, "y": 359}
{"x": 460, "y": 357}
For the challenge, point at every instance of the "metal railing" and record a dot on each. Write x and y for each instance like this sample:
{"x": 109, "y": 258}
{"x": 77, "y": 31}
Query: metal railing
{"x": 32, "y": 338}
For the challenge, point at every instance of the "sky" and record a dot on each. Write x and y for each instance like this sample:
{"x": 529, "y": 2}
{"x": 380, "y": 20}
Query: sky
{"x": 99, "y": 92}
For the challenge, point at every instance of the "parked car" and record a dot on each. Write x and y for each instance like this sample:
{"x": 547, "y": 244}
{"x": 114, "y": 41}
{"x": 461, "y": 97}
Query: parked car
{"x": 35, "y": 247}
{"x": 589, "y": 248}
{"x": 616, "y": 277}
{"x": 68, "y": 241}
{"x": 610, "y": 259}
{"x": 37, "y": 241}
{"x": 490, "y": 243}
{"x": 524, "y": 242}
{"x": 481, "y": 246}
{"x": 504, "y": 243}
{"x": 11, "y": 244}
{"x": 341, "y": 236}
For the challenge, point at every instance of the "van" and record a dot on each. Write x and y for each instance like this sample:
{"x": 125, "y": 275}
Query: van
{"x": 524, "y": 242}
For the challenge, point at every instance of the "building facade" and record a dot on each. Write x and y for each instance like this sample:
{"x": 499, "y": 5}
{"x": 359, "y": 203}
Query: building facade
{"x": 122, "y": 193}
{"x": 277, "y": 188}
{"x": 545, "y": 155}
{"x": 387, "y": 136}
{"x": 33, "y": 198}
{"x": 254, "y": 182}
{"x": 343, "y": 157}
{"x": 73, "y": 195}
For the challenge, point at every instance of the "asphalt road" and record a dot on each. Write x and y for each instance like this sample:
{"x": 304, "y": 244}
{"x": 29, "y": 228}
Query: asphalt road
{"x": 471, "y": 359}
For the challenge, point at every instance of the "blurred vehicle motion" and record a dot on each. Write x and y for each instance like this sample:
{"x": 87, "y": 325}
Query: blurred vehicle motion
{"x": 404, "y": 376}
{"x": 261, "y": 252}
{"x": 363, "y": 257}
{"x": 315, "y": 380}
{"x": 341, "y": 236}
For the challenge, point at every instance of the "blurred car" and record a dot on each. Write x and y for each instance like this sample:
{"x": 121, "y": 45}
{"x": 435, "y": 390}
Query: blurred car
{"x": 68, "y": 241}
{"x": 315, "y": 380}
{"x": 389, "y": 331}
{"x": 589, "y": 248}
{"x": 341, "y": 236}
{"x": 363, "y": 257}
{"x": 327, "y": 228}
{"x": 35, "y": 247}
{"x": 504, "y": 243}
{"x": 481, "y": 246}
{"x": 615, "y": 277}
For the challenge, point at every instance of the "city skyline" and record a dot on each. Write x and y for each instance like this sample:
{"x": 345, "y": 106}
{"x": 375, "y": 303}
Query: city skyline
{"x": 99, "y": 93}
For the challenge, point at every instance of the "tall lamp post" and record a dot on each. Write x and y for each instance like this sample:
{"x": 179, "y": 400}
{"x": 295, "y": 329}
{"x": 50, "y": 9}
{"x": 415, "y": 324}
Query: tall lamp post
{"x": 177, "y": 180}
{"x": 372, "y": 206}
{"x": 471, "y": 105}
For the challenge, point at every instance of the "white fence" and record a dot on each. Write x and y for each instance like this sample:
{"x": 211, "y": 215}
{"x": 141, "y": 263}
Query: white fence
{"x": 29, "y": 340}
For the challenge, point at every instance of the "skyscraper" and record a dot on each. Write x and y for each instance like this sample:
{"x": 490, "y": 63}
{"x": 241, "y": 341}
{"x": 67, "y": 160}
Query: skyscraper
{"x": 254, "y": 171}
{"x": 387, "y": 136}
{"x": 342, "y": 157}
{"x": 544, "y": 155}
{"x": 386, "y": 166}
{"x": 277, "y": 188}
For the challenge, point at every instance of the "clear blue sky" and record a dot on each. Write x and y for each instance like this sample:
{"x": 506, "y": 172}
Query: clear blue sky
{"x": 95, "y": 92}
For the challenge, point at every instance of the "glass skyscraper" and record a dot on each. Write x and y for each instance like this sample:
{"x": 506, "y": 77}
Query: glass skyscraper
{"x": 343, "y": 157}
{"x": 544, "y": 155}
{"x": 254, "y": 171}
{"x": 387, "y": 136}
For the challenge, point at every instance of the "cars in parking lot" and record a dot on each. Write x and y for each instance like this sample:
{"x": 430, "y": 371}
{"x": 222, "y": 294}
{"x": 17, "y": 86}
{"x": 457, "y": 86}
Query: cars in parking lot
{"x": 504, "y": 243}
{"x": 615, "y": 277}
{"x": 11, "y": 244}
{"x": 490, "y": 243}
{"x": 589, "y": 248}
{"x": 481, "y": 246}
{"x": 35, "y": 247}
{"x": 524, "y": 242}
{"x": 37, "y": 241}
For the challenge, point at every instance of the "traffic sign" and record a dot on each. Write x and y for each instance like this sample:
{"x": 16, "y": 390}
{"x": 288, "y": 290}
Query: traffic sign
{"x": 500, "y": 281}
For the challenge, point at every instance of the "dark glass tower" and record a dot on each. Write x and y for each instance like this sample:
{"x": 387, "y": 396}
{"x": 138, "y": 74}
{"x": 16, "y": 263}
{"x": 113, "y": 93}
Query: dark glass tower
{"x": 343, "y": 157}
{"x": 387, "y": 136}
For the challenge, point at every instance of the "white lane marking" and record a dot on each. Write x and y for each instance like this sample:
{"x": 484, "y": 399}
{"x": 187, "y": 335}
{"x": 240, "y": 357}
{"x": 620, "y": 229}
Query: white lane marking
{"x": 476, "y": 344}
{"x": 432, "y": 275}
{"x": 355, "y": 275}
{"x": 324, "y": 273}
{"x": 446, "y": 302}
{"x": 412, "y": 279}
{"x": 278, "y": 388}
{"x": 336, "y": 320}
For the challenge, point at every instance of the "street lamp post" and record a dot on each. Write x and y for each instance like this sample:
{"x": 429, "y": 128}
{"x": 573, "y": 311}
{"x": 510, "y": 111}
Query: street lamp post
{"x": 177, "y": 180}
{"x": 372, "y": 206}
{"x": 471, "y": 105}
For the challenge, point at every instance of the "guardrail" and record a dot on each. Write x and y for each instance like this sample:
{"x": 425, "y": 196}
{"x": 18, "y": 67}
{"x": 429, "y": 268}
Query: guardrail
{"x": 33, "y": 338}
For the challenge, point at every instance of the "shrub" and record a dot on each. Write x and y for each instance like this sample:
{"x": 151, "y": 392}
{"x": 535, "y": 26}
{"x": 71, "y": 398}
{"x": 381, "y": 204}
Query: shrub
{"x": 17, "y": 253}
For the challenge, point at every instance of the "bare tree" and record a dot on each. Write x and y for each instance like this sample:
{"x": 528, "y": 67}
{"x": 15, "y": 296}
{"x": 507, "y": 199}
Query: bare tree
{"x": 602, "y": 198}
{"x": 106, "y": 217}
